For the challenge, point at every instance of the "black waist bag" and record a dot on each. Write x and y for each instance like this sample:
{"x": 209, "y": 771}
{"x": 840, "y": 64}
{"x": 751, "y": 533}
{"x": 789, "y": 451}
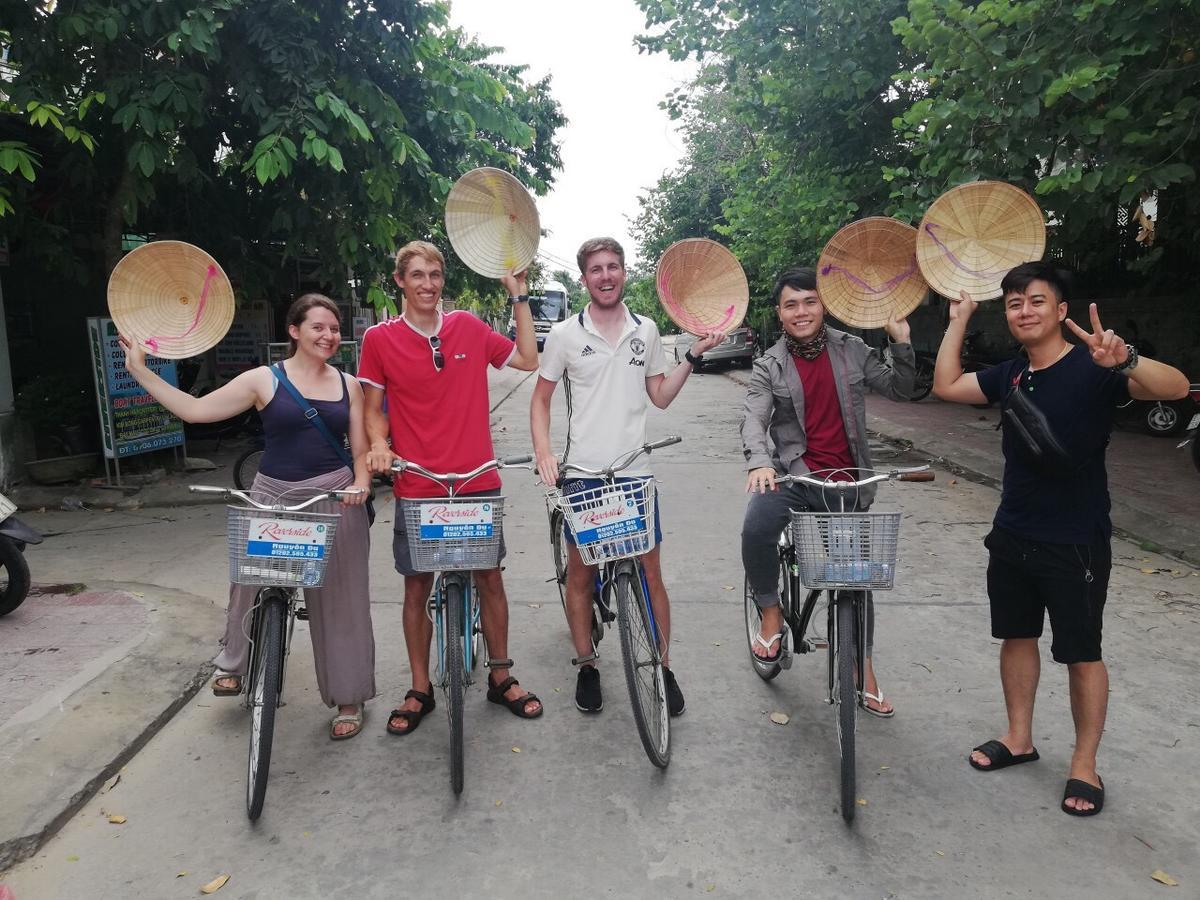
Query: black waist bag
{"x": 1035, "y": 439}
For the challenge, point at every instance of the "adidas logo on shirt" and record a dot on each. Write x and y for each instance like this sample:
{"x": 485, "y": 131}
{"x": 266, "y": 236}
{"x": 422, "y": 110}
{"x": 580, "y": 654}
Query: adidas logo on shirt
{"x": 587, "y": 351}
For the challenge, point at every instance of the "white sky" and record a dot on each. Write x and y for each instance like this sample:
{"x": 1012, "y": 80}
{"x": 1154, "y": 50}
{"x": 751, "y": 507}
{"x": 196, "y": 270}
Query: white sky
{"x": 617, "y": 142}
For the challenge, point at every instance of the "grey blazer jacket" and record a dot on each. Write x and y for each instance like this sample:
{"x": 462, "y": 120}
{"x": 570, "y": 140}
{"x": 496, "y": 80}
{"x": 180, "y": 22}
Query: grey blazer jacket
{"x": 774, "y": 406}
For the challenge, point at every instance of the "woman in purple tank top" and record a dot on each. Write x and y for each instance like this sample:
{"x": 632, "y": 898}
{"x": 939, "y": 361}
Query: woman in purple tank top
{"x": 299, "y": 458}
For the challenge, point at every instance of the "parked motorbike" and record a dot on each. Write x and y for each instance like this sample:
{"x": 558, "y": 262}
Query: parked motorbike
{"x": 14, "y": 571}
{"x": 1193, "y": 428}
{"x": 1161, "y": 418}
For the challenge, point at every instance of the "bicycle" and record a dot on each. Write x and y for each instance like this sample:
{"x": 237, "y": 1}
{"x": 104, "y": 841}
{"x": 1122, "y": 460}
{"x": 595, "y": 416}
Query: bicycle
{"x": 280, "y": 552}
{"x": 452, "y": 536}
{"x": 844, "y": 554}
{"x": 613, "y": 525}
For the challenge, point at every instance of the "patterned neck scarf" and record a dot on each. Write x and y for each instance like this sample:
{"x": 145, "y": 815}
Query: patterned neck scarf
{"x": 810, "y": 349}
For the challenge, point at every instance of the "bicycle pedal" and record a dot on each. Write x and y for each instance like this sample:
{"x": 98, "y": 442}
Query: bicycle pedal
{"x": 302, "y": 613}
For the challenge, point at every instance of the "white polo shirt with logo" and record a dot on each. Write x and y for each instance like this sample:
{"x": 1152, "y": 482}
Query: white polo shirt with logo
{"x": 605, "y": 386}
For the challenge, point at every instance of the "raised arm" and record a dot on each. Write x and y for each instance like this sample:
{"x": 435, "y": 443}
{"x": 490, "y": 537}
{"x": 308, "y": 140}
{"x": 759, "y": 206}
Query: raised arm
{"x": 1148, "y": 379}
{"x": 246, "y": 390}
{"x": 949, "y": 381}
{"x": 662, "y": 389}
{"x": 526, "y": 356}
{"x": 893, "y": 381}
{"x": 539, "y": 429}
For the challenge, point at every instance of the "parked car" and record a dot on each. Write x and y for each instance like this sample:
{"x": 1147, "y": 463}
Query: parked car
{"x": 740, "y": 347}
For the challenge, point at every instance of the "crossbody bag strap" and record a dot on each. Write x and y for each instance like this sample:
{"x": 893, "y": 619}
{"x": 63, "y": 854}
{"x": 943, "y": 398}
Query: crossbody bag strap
{"x": 312, "y": 415}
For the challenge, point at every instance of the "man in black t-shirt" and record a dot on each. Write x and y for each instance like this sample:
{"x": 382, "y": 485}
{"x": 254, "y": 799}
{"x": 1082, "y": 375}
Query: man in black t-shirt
{"x": 1049, "y": 545}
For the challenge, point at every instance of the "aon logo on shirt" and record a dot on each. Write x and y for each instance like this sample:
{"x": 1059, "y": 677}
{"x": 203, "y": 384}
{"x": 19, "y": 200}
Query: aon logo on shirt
{"x": 637, "y": 362}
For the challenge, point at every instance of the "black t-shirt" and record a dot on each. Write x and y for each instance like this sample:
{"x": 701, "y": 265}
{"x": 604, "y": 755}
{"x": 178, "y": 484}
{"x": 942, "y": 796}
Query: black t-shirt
{"x": 1078, "y": 398}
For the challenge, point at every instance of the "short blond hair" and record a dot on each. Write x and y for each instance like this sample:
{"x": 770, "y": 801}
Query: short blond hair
{"x": 418, "y": 248}
{"x": 595, "y": 245}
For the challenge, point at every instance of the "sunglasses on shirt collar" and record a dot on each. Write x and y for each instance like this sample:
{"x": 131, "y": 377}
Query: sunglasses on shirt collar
{"x": 435, "y": 345}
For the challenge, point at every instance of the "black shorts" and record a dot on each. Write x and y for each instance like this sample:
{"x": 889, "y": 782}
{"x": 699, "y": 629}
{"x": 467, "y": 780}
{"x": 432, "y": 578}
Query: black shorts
{"x": 1027, "y": 578}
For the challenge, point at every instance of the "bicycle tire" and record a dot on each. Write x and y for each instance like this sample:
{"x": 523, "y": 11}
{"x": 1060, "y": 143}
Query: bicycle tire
{"x": 558, "y": 546}
{"x": 845, "y": 699}
{"x": 643, "y": 670}
{"x": 764, "y": 670}
{"x": 246, "y": 467}
{"x": 266, "y": 682}
{"x": 922, "y": 380}
{"x": 455, "y": 676}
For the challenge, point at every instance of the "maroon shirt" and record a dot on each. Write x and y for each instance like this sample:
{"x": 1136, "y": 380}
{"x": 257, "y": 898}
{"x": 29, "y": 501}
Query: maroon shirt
{"x": 823, "y": 424}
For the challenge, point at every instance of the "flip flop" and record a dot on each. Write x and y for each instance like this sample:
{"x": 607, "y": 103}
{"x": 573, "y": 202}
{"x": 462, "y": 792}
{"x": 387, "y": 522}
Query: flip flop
{"x": 766, "y": 645}
{"x": 355, "y": 718}
{"x": 1081, "y": 790}
{"x": 878, "y": 698}
{"x": 412, "y": 717}
{"x": 1001, "y": 757}
{"x": 219, "y": 691}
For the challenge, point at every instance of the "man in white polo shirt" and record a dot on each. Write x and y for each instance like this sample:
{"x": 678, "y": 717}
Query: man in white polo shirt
{"x": 612, "y": 362}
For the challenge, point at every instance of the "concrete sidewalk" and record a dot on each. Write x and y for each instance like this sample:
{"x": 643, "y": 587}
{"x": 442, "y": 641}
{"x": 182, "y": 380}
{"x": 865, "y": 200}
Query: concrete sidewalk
{"x": 1154, "y": 488}
{"x": 93, "y": 666}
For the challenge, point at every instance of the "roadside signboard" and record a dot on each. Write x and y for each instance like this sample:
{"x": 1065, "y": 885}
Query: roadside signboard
{"x": 131, "y": 421}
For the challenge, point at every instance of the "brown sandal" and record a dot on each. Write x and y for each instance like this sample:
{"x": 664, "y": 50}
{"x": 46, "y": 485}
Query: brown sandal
{"x": 412, "y": 717}
{"x": 233, "y": 691}
{"x": 495, "y": 694}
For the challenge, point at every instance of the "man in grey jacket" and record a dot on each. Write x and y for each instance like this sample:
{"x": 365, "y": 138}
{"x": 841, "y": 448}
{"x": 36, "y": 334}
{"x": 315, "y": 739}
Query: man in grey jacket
{"x": 808, "y": 394}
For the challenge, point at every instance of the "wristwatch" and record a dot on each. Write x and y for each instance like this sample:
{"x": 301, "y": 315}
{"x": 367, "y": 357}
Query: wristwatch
{"x": 1131, "y": 361}
{"x": 523, "y": 298}
{"x": 694, "y": 360}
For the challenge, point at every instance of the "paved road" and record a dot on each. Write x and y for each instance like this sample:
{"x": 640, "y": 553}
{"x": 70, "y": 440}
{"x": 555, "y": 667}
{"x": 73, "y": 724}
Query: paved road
{"x": 747, "y": 806}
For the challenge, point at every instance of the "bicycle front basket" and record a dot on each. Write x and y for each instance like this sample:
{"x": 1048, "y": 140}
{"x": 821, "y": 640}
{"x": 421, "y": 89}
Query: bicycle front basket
{"x": 454, "y": 533}
{"x": 611, "y": 521}
{"x": 846, "y": 550}
{"x": 271, "y": 547}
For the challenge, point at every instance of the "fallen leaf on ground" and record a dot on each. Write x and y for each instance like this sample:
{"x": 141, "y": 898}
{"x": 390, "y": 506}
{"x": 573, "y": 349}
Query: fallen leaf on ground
{"x": 72, "y": 858}
{"x": 954, "y": 481}
{"x": 884, "y": 768}
{"x": 940, "y": 852}
{"x": 861, "y": 801}
{"x": 558, "y": 690}
{"x": 499, "y": 802}
{"x": 716, "y": 643}
{"x": 729, "y": 587}
{"x": 780, "y": 718}
{"x": 710, "y": 888}
{"x": 111, "y": 783}
{"x": 516, "y": 749}
{"x": 182, "y": 874}
{"x": 1149, "y": 571}
{"x": 117, "y": 820}
{"x": 215, "y": 885}
{"x": 1163, "y": 878}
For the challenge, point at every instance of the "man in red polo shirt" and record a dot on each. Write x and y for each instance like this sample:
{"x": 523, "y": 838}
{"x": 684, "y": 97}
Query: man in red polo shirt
{"x": 432, "y": 368}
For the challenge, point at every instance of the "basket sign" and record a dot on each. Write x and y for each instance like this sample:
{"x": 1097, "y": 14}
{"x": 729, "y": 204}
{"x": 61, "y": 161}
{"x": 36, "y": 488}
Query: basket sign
{"x": 443, "y": 521}
{"x": 286, "y": 539}
{"x": 612, "y": 519}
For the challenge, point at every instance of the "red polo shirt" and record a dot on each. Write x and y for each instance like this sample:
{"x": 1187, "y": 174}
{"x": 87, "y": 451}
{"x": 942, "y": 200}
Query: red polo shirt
{"x": 823, "y": 424}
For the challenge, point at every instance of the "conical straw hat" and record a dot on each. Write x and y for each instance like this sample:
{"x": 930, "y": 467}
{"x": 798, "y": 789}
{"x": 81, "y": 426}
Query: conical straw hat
{"x": 974, "y": 234}
{"x": 868, "y": 272}
{"x": 492, "y": 222}
{"x": 702, "y": 287}
{"x": 172, "y": 298}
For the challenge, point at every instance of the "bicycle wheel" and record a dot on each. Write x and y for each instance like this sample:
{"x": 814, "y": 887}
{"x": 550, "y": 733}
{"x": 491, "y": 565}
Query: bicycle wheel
{"x": 266, "y": 679}
{"x": 845, "y": 700}
{"x": 558, "y": 548}
{"x": 643, "y": 670}
{"x": 764, "y": 670}
{"x": 453, "y": 601}
{"x": 246, "y": 467}
{"x": 922, "y": 380}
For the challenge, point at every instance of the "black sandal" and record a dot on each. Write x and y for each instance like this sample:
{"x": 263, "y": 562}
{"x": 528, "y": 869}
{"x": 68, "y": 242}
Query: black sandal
{"x": 495, "y": 694}
{"x": 412, "y": 717}
{"x": 1081, "y": 790}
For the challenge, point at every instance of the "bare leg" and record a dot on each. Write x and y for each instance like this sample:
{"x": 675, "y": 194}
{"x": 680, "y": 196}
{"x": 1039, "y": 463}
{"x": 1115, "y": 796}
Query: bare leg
{"x": 418, "y": 631}
{"x": 581, "y": 582}
{"x": 1020, "y": 668}
{"x": 493, "y": 604}
{"x": 659, "y": 601}
{"x": 1089, "y": 706}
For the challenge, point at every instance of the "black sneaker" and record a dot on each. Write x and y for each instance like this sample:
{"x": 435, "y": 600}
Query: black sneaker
{"x": 588, "y": 698}
{"x": 675, "y": 704}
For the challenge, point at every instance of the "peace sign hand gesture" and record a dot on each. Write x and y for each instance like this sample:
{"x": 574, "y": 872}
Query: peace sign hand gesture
{"x": 1107, "y": 348}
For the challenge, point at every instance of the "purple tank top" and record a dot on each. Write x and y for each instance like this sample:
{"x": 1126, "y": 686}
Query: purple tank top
{"x": 295, "y": 449}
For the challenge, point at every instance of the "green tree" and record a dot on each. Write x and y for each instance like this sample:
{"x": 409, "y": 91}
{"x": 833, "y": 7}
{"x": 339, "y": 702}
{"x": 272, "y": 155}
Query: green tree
{"x": 264, "y": 130}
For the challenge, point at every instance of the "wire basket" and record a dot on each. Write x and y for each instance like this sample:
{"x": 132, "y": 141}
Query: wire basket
{"x": 454, "y": 533}
{"x": 846, "y": 550}
{"x": 612, "y": 521}
{"x": 277, "y": 548}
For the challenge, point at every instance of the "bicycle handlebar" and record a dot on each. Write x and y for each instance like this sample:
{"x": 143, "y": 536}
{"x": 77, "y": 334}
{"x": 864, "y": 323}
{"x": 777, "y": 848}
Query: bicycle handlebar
{"x": 242, "y": 495}
{"x": 449, "y": 479}
{"x": 628, "y": 457}
{"x": 917, "y": 473}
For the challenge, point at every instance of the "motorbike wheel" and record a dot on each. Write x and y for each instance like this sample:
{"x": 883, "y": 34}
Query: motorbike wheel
{"x": 1163, "y": 419}
{"x": 14, "y": 577}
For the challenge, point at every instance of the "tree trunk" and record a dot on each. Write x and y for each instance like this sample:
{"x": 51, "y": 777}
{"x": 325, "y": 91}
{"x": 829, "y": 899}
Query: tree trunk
{"x": 114, "y": 220}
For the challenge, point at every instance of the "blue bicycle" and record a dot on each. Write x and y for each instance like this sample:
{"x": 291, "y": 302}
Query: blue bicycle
{"x": 452, "y": 536}
{"x": 613, "y": 525}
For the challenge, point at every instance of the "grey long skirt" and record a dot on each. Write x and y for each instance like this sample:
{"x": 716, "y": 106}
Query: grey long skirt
{"x": 339, "y": 612}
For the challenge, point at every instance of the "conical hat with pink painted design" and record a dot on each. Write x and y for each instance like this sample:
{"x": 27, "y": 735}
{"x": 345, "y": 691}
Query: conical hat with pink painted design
{"x": 868, "y": 272}
{"x": 973, "y": 234}
{"x": 702, "y": 287}
{"x": 492, "y": 222}
{"x": 172, "y": 298}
